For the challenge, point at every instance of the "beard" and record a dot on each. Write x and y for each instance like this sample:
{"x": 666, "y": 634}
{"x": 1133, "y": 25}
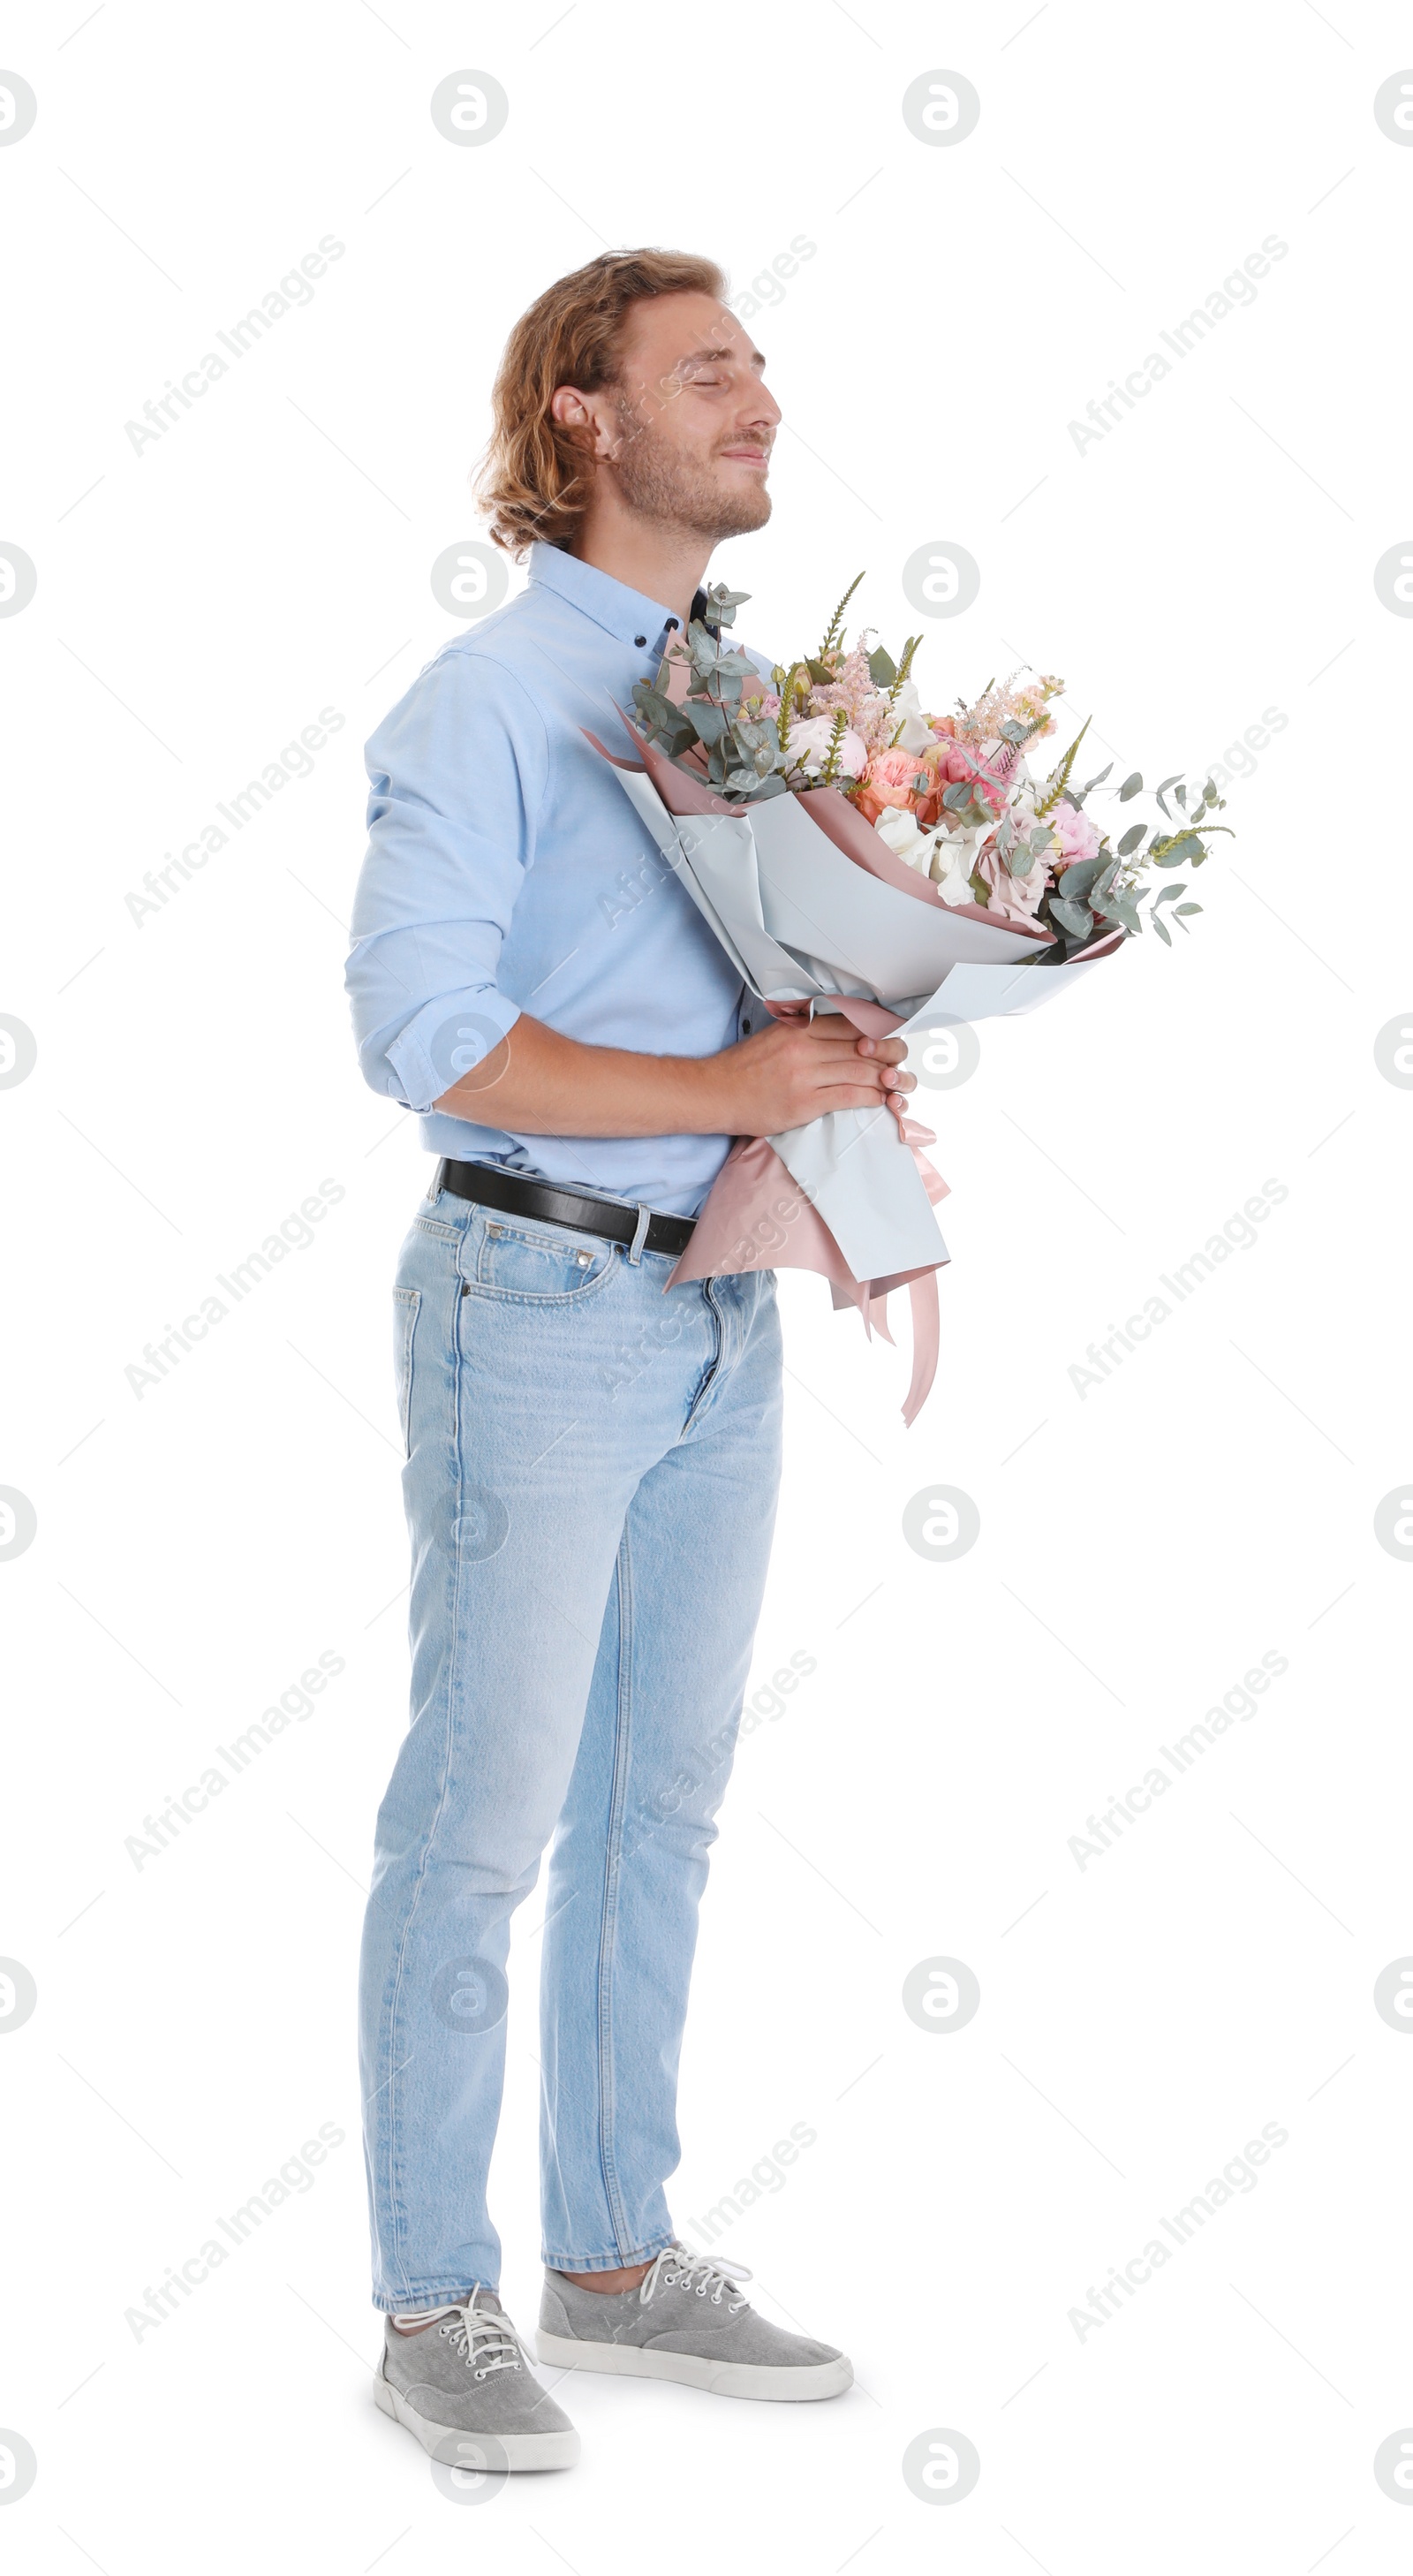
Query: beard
{"x": 661, "y": 482}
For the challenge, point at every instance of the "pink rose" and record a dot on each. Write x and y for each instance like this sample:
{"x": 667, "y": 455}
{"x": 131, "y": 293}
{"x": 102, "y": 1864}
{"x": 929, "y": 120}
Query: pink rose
{"x": 1075, "y": 833}
{"x": 958, "y": 762}
{"x": 1015, "y": 898}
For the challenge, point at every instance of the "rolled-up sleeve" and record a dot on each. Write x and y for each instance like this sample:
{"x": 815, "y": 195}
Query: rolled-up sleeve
{"x": 457, "y": 777}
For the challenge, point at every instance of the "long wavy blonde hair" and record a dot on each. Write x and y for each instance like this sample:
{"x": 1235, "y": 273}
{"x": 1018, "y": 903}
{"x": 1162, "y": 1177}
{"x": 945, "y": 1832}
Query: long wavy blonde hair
{"x": 535, "y": 478}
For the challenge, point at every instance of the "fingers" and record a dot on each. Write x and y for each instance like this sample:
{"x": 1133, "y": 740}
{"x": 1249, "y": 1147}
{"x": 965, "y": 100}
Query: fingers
{"x": 849, "y": 1096}
{"x": 830, "y": 1029}
{"x": 871, "y": 1080}
{"x": 888, "y": 1050}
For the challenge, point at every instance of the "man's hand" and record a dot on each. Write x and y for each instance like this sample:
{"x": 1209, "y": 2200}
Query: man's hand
{"x": 537, "y": 1083}
{"x": 797, "y": 1069}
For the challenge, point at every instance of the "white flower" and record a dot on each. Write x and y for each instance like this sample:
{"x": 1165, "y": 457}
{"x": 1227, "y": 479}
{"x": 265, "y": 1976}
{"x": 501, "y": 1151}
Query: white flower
{"x": 951, "y": 867}
{"x": 899, "y": 829}
{"x": 809, "y": 743}
{"x": 917, "y": 733}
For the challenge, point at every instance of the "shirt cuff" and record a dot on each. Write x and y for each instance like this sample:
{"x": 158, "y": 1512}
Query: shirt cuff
{"x": 446, "y": 1039}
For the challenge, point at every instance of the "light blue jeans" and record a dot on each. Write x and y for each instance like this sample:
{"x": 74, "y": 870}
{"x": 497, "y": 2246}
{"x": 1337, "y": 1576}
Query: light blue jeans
{"x": 590, "y": 1485}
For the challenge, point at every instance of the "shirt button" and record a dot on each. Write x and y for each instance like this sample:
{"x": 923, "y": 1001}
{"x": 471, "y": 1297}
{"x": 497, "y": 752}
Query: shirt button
{"x": 640, "y": 639}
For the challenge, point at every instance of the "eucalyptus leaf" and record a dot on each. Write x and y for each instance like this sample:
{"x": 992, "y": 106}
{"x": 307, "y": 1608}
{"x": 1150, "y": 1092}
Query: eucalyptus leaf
{"x": 1117, "y": 906}
{"x": 652, "y": 707}
{"x": 1132, "y": 786}
{"x": 1131, "y": 839}
{"x": 882, "y": 669}
{"x": 710, "y": 720}
{"x": 1075, "y": 918}
{"x": 1188, "y": 907}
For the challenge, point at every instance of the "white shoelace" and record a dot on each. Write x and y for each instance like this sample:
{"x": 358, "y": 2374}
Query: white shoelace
{"x": 481, "y": 2337}
{"x": 696, "y": 2272}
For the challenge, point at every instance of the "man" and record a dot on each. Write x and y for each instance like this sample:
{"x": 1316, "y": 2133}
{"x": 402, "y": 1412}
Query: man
{"x": 591, "y": 1464}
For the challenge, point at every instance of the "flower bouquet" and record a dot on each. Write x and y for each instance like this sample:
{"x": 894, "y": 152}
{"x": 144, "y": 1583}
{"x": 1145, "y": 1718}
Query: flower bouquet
{"x": 853, "y": 853}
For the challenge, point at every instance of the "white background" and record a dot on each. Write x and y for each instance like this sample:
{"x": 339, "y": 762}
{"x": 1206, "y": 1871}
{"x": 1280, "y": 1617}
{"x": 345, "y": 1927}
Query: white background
{"x": 1141, "y": 1547}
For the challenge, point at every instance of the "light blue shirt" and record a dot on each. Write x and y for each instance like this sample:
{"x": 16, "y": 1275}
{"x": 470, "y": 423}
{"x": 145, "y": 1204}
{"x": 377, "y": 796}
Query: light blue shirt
{"x": 507, "y": 871}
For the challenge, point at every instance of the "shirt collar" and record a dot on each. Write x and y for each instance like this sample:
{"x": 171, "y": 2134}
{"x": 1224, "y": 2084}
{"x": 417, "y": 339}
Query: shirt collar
{"x": 623, "y": 613}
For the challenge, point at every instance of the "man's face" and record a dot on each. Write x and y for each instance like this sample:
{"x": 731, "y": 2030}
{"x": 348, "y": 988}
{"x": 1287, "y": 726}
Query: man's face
{"x": 687, "y": 432}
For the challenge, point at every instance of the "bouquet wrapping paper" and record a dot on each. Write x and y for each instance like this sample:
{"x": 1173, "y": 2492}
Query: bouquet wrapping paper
{"x": 817, "y": 914}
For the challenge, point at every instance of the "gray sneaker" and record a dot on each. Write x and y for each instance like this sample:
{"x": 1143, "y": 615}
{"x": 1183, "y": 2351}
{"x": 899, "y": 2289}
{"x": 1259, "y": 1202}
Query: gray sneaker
{"x": 687, "y": 2321}
{"x": 467, "y": 2380}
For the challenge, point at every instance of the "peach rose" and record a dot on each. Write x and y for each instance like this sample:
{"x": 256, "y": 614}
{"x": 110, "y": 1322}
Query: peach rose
{"x": 889, "y": 781}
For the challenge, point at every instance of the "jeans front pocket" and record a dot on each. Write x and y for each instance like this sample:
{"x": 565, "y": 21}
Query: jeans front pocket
{"x": 406, "y": 1302}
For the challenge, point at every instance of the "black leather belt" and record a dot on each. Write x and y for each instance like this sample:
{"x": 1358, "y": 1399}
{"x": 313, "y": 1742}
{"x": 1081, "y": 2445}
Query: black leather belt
{"x": 515, "y": 1195}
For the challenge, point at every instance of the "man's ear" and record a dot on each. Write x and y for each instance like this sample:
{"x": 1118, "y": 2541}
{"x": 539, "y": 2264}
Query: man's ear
{"x": 575, "y": 412}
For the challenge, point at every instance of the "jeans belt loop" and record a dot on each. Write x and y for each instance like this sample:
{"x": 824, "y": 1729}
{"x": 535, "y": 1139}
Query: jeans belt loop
{"x": 635, "y": 1249}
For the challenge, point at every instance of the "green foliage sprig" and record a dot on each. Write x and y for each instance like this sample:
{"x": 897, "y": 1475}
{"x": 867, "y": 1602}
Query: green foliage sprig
{"x": 833, "y": 632}
{"x": 1094, "y": 897}
{"x": 744, "y": 755}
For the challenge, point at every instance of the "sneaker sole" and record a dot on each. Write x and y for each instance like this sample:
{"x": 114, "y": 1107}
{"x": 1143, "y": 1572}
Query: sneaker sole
{"x": 518, "y": 2450}
{"x": 790, "y": 2385}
